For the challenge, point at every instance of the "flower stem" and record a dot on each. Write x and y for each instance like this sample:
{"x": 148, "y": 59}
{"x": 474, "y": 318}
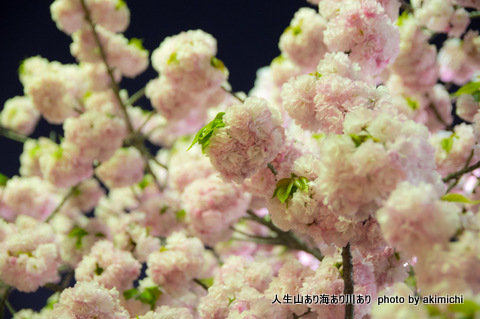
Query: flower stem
{"x": 12, "y": 135}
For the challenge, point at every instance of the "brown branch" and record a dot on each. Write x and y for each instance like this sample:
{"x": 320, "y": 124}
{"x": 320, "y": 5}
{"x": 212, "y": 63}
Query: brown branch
{"x": 461, "y": 172}
{"x": 348, "y": 279}
{"x": 103, "y": 55}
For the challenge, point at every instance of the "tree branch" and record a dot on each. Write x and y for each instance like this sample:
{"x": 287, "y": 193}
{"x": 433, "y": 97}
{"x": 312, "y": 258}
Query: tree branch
{"x": 284, "y": 238}
{"x": 461, "y": 172}
{"x": 348, "y": 279}
{"x": 103, "y": 55}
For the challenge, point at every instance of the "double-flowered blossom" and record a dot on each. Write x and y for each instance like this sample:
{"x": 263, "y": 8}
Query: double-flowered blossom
{"x": 190, "y": 76}
{"x": 451, "y": 269}
{"x": 237, "y": 287}
{"x": 452, "y": 149}
{"x": 29, "y": 255}
{"x": 130, "y": 58}
{"x": 459, "y": 59}
{"x": 179, "y": 261}
{"x": 252, "y": 137}
{"x": 319, "y": 102}
{"x": 441, "y": 16}
{"x": 55, "y": 89}
{"x": 466, "y": 107}
{"x": 30, "y": 196}
{"x": 19, "y": 115}
{"x": 166, "y": 312}
{"x": 96, "y": 135}
{"x": 87, "y": 300}
{"x": 213, "y": 206}
{"x": 188, "y": 61}
{"x": 302, "y": 41}
{"x": 109, "y": 266}
{"x": 414, "y": 218}
{"x": 363, "y": 29}
{"x": 70, "y": 17}
{"x": 415, "y": 65}
{"x": 124, "y": 168}
{"x": 380, "y": 150}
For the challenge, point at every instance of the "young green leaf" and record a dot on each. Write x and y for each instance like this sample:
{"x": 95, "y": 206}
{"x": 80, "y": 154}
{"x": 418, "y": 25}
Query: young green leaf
{"x": 447, "y": 144}
{"x": 468, "y": 308}
{"x": 207, "y": 281}
{"x": 203, "y": 136}
{"x": 359, "y": 139}
{"x": 3, "y": 180}
{"x": 130, "y": 293}
{"x": 98, "y": 270}
{"x": 469, "y": 88}
{"x": 149, "y": 296}
{"x": 459, "y": 198}
{"x": 79, "y": 233}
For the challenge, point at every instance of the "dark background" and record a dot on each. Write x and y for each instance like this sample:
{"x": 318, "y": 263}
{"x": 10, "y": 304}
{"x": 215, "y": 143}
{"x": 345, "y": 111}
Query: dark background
{"x": 247, "y": 32}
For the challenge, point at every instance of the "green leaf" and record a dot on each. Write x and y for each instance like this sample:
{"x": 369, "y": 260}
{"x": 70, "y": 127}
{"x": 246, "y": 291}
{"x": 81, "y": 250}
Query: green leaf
{"x": 230, "y": 300}
{"x": 181, "y": 215}
{"x": 3, "y": 180}
{"x": 218, "y": 64}
{"x": 98, "y": 270}
{"x": 284, "y": 192}
{"x": 120, "y": 4}
{"x": 469, "y": 88}
{"x": 138, "y": 43}
{"x": 207, "y": 281}
{"x": 433, "y": 311}
{"x": 401, "y": 19}
{"x": 173, "y": 58}
{"x": 468, "y": 308}
{"x": 287, "y": 186}
{"x": 149, "y": 296}
{"x": 147, "y": 180}
{"x": 130, "y": 293}
{"x": 359, "y": 139}
{"x": 458, "y": 198}
{"x": 79, "y": 233}
{"x": 203, "y": 136}
{"x": 279, "y": 59}
{"x": 302, "y": 183}
{"x": 163, "y": 210}
{"x": 413, "y": 104}
{"x": 447, "y": 144}
{"x": 476, "y": 96}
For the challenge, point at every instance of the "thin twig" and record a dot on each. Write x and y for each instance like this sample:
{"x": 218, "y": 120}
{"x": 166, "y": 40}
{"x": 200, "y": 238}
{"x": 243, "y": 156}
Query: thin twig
{"x": 457, "y": 179}
{"x": 303, "y": 314}
{"x": 461, "y": 172}
{"x": 136, "y": 96}
{"x": 13, "y": 135}
{"x": 284, "y": 238}
{"x": 4, "y": 302}
{"x": 200, "y": 284}
{"x": 272, "y": 169}
{"x": 103, "y": 55}
{"x": 233, "y": 94}
{"x": 348, "y": 279}
{"x": 64, "y": 199}
{"x": 438, "y": 116}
